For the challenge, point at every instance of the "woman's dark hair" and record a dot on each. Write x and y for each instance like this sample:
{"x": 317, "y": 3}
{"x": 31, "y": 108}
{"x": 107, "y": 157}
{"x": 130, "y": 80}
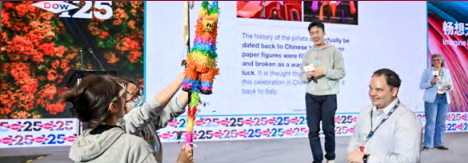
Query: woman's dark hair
{"x": 91, "y": 98}
{"x": 124, "y": 80}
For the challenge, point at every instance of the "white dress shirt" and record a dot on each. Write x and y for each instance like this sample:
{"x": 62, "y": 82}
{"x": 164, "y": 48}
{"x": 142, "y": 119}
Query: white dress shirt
{"x": 397, "y": 140}
{"x": 442, "y": 83}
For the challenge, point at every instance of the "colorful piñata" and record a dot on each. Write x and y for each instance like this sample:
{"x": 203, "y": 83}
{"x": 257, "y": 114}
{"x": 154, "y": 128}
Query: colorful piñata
{"x": 201, "y": 62}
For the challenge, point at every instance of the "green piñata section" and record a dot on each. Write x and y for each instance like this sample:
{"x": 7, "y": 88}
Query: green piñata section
{"x": 213, "y": 10}
{"x": 195, "y": 99}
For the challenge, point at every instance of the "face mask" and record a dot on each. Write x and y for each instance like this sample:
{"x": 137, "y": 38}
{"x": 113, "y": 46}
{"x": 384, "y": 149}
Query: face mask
{"x": 138, "y": 102}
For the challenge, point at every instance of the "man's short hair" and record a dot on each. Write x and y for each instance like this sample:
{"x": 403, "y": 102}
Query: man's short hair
{"x": 316, "y": 24}
{"x": 392, "y": 78}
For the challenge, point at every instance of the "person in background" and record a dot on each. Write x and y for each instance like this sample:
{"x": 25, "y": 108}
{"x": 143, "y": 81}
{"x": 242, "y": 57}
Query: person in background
{"x": 144, "y": 119}
{"x": 99, "y": 101}
{"x": 274, "y": 15}
{"x": 322, "y": 68}
{"x": 437, "y": 83}
{"x": 387, "y": 131}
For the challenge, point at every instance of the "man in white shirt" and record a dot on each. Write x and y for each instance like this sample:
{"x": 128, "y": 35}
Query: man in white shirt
{"x": 396, "y": 131}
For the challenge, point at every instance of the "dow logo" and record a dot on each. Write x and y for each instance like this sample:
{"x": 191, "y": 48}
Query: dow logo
{"x": 55, "y": 6}
{"x": 102, "y": 9}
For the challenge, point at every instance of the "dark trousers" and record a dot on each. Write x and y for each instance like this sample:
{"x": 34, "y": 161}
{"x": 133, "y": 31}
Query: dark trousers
{"x": 321, "y": 108}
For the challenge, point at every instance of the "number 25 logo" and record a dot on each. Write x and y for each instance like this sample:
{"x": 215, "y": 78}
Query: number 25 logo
{"x": 83, "y": 13}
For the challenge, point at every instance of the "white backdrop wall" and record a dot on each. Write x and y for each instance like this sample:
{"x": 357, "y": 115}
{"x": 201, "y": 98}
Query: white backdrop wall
{"x": 388, "y": 35}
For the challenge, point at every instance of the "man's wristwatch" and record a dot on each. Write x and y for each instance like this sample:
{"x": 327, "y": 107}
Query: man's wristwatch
{"x": 365, "y": 158}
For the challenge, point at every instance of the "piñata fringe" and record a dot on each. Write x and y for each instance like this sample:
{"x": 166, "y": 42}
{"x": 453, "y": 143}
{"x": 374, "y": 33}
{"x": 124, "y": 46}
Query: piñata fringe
{"x": 201, "y": 63}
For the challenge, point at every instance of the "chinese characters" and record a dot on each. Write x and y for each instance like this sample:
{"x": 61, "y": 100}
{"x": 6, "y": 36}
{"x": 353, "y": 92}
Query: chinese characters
{"x": 457, "y": 28}
{"x": 454, "y": 29}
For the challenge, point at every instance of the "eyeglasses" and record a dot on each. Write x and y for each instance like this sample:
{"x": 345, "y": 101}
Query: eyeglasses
{"x": 134, "y": 97}
{"x": 122, "y": 92}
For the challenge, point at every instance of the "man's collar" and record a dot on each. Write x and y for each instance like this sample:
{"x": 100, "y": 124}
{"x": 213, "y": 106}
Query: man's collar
{"x": 324, "y": 44}
{"x": 388, "y": 108}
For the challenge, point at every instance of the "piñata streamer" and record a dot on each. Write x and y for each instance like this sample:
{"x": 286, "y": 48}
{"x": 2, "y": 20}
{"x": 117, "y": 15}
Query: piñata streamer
{"x": 201, "y": 63}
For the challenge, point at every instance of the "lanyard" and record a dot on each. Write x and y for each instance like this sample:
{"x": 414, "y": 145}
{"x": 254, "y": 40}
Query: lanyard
{"x": 371, "y": 133}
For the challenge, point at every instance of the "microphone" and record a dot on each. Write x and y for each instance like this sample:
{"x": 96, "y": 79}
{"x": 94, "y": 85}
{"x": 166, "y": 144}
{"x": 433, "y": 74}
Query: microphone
{"x": 95, "y": 58}
{"x": 435, "y": 73}
{"x": 82, "y": 62}
{"x": 310, "y": 68}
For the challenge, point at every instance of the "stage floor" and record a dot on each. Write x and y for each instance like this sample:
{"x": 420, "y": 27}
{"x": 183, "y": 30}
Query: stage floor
{"x": 253, "y": 151}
